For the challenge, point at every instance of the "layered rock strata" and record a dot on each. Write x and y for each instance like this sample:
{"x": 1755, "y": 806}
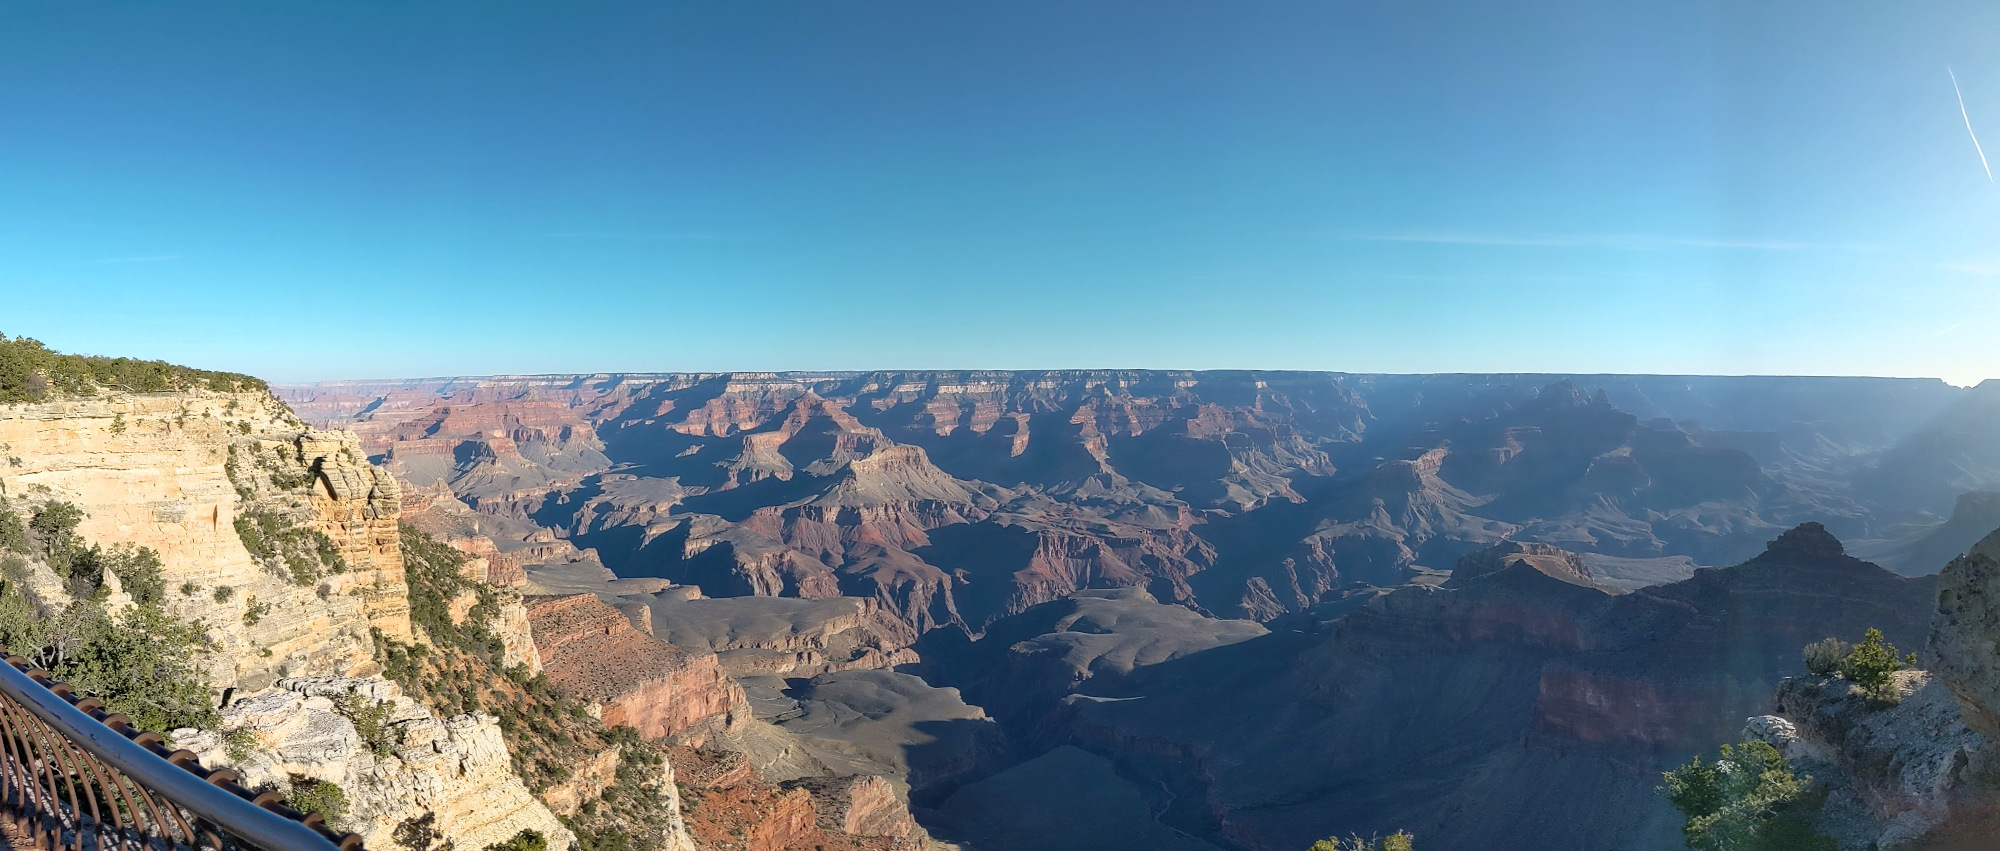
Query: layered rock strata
{"x": 636, "y": 680}
{"x": 179, "y": 472}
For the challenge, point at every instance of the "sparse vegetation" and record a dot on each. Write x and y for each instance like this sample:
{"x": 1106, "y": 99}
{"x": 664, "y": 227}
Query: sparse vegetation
{"x": 549, "y": 733}
{"x": 254, "y": 610}
{"x": 32, "y": 372}
{"x": 1869, "y": 665}
{"x": 420, "y": 833}
{"x": 302, "y": 553}
{"x": 1398, "y": 841}
{"x": 239, "y": 745}
{"x": 1748, "y": 799}
{"x": 371, "y": 722}
{"x": 434, "y": 581}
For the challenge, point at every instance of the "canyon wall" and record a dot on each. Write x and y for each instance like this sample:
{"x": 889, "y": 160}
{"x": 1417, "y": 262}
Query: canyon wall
{"x": 180, "y": 472}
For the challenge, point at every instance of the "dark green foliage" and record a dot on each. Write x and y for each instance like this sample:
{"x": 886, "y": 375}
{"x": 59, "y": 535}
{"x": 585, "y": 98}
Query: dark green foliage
{"x": 52, "y": 533}
{"x": 1748, "y": 799}
{"x": 138, "y": 569}
{"x": 300, "y": 552}
{"x": 319, "y": 796}
{"x": 13, "y": 532}
{"x": 432, "y": 571}
{"x": 142, "y": 662}
{"x": 31, "y": 372}
{"x": 1870, "y": 664}
{"x": 527, "y": 840}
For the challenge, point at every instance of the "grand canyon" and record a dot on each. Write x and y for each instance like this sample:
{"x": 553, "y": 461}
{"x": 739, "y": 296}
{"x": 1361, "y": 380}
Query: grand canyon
{"x": 1064, "y": 426}
{"x": 1228, "y": 610}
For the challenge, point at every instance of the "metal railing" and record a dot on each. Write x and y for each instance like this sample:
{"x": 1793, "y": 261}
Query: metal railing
{"x": 73, "y": 775}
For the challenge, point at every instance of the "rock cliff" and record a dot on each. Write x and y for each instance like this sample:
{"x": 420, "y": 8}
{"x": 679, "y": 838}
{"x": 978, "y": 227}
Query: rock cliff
{"x": 183, "y": 474}
{"x": 1922, "y": 772}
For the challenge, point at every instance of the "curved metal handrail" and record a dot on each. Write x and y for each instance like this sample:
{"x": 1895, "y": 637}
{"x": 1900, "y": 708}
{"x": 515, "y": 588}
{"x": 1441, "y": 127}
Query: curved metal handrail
{"x": 251, "y": 819}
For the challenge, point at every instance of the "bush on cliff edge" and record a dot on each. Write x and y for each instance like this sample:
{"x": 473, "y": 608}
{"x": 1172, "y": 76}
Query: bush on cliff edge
{"x": 31, "y": 372}
{"x": 1748, "y": 799}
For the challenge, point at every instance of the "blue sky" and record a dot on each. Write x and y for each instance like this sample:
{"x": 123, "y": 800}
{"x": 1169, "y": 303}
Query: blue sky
{"x": 333, "y": 190}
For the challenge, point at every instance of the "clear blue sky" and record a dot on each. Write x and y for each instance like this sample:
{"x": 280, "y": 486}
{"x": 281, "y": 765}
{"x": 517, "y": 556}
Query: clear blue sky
{"x": 329, "y": 190}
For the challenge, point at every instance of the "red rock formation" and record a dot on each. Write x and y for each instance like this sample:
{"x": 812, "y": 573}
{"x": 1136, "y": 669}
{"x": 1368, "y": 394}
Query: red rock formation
{"x": 638, "y": 681}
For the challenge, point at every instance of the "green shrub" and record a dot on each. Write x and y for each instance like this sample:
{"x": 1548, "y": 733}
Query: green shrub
{"x": 142, "y": 661}
{"x": 31, "y": 372}
{"x": 139, "y": 570}
{"x": 420, "y": 833}
{"x": 239, "y": 744}
{"x": 223, "y": 593}
{"x": 1823, "y": 657}
{"x": 254, "y": 611}
{"x": 1748, "y": 799}
{"x": 13, "y": 532}
{"x": 526, "y": 840}
{"x": 319, "y": 796}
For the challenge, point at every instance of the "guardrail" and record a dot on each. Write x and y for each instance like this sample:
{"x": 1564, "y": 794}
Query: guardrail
{"x": 73, "y": 775}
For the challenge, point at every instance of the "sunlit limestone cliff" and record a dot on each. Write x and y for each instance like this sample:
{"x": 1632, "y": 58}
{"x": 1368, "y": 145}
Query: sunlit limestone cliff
{"x": 282, "y": 543}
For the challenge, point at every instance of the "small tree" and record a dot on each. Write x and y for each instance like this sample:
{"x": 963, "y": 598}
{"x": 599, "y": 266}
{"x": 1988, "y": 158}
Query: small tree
{"x": 1870, "y": 664}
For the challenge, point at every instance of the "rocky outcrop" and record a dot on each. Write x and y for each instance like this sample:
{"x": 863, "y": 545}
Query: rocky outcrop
{"x": 635, "y": 680}
{"x": 412, "y": 766}
{"x": 1919, "y": 773}
{"x": 1900, "y": 776}
{"x": 1964, "y": 647}
{"x": 180, "y": 472}
{"x": 862, "y": 804}
{"x": 735, "y": 808}
{"x": 1554, "y": 562}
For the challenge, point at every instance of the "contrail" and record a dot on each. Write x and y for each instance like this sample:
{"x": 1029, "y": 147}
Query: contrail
{"x": 1968, "y": 123}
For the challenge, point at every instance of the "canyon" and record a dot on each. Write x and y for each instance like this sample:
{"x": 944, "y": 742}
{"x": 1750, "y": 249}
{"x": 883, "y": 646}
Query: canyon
{"x": 1015, "y": 611}
{"x": 1223, "y": 609}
